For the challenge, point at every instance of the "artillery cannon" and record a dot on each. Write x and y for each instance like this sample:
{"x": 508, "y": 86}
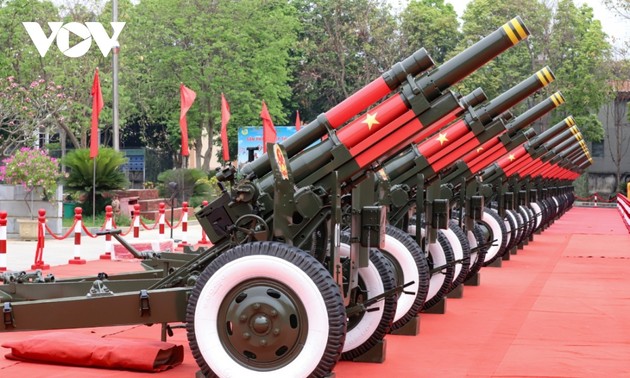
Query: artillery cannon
{"x": 278, "y": 294}
{"x": 403, "y": 178}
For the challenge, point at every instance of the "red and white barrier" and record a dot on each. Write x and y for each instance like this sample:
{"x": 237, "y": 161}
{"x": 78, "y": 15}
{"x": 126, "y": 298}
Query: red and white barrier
{"x": 41, "y": 236}
{"x": 77, "y": 237}
{"x": 204, "y": 239}
{"x": 3, "y": 241}
{"x": 623, "y": 205}
{"x": 136, "y": 221}
{"x": 184, "y": 241}
{"x": 109, "y": 225}
{"x": 162, "y": 221}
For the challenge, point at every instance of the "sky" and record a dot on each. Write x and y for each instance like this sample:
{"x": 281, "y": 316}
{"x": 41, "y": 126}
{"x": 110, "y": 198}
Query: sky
{"x": 612, "y": 24}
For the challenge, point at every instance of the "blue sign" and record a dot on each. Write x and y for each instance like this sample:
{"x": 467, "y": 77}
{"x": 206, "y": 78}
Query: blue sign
{"x": 252, "y": 136}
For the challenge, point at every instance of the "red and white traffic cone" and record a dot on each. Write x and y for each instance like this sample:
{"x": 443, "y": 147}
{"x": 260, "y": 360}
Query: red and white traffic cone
{"x": 109, "y": 216}
{"x": 78, "y": 228}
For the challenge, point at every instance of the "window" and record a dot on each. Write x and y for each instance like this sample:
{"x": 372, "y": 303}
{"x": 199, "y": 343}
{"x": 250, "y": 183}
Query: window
{"x": 597, "y": 149}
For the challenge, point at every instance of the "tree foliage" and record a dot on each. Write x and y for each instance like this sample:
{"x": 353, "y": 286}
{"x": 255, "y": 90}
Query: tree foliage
{"x": 567, "y": 39}
{"x": 431, "y": 24}
{"x": 343, "y": 46}
{"x": 306, "y": 55}
{"x": 240, "y": 48}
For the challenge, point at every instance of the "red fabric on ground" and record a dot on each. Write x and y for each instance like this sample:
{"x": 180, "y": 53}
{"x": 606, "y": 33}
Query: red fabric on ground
{"x": 559, "y": 308}
{"x": 70, "y": 348}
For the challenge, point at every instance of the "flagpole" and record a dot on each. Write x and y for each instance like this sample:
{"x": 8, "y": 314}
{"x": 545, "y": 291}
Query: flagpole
{"x": 184, "y": 166}
{"x": 94, "y": 192}
{"x": 116, "y": 127}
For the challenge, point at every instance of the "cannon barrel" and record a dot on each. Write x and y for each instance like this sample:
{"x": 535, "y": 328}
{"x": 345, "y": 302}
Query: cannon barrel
{"x": 430, "y": 86}
{"x": 551, "y": 132}
{"x": 473, "y": 57}
{"x": 523, "y": 154}
{"x": 459, "y": 138}
{"x": 515, "y": 95}
{"x": 558, "y": 146}
{"x": 389, "y": 81}
{"x": 480, "y": 157}
{"x": 496, "y": 147}
{"x": 535, "y": 113}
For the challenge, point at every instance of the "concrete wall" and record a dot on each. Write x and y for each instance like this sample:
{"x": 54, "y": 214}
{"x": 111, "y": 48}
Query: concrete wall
{"x": 601, "y": 175}
{"x": 12, "y": 201}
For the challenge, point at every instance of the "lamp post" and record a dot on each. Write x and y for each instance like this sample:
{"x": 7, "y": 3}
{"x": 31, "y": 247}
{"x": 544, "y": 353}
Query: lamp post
{"x": 173, "y": 186}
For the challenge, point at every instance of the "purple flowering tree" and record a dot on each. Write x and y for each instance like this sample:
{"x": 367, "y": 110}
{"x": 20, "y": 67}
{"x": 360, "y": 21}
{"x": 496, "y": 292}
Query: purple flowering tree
{"x": 31, "y": 168}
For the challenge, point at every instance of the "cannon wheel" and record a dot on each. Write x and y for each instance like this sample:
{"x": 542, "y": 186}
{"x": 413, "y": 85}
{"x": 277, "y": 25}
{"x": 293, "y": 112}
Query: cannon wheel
{"x": 265, "y": 309}
{"x": 495, "y": 228}
{"x": 475, "y": 238}
{"x": 538, "y": 209}
{"x": 409, "y": 265}
{"x": 460, "y": 243}
{"x": 512, "y": 234}
{"x": 368, "y": 328}
{"x": 528, "y": 222}
{"x": 440, "y": 254}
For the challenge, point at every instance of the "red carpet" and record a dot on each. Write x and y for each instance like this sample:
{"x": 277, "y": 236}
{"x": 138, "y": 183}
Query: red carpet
{"x": 559, "y": 308}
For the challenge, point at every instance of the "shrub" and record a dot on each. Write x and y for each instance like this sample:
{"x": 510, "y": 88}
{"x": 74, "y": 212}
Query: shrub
{"x": 109, "y": 176}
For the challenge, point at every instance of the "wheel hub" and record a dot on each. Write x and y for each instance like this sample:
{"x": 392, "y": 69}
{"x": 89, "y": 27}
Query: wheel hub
{"x": 264, "y": 326}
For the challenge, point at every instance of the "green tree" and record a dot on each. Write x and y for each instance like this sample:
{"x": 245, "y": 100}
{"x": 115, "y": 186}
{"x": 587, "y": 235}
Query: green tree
{"x": 578, "y": 51}
{"x": 482, "y": 17}
{"x": 344, "y": 44}
{"x": 240, "y": 48}
{"x": 431, "y": 24}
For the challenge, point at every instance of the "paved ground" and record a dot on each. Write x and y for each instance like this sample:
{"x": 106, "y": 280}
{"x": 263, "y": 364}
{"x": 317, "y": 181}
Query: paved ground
{"x": 21, "y": 254}
{"x": 559, "y": 308}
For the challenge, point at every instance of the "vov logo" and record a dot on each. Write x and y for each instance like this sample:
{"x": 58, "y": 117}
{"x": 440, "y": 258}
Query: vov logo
{"x": 61, "y": 32}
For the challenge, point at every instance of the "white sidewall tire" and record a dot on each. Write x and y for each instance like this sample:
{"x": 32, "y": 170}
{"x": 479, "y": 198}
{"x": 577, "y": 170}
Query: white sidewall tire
{"x": 439, "y": 259}
{"x": 508, "y": 226}
{"x": 252, "y": 267}
{"x": 494, "y": 249}
{"x": 458, "y": 251}
{"x": 410, "y": 273}
{"x": 356, "y": 336}
{"x": 472, "y": 241}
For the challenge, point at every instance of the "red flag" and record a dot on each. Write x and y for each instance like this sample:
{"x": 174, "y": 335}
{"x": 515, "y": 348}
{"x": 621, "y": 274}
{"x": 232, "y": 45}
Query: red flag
{"x": 97, "y": 105}
{"x": 187, "y": 98}
{"x": 225, "y": 118}
{"x": 269, "y": 130}
{"x": 298, "y": 123}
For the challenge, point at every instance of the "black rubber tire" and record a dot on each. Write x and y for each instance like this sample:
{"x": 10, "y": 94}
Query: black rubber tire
{"x": 291, "y": 278}
{"x": 478, "y": 260}
{"x": 465, "y": 264}
{"x": 497, "y": 232}
{"x": 527, "y": 222}
{"x": 379, "y": 325}
{"x": 411, "y": 308}
{"x": 510, "y": 217}
{"x": 538, "y": 212}
{"x": 446, "y": 256}
{"x": 520, "y": 224}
